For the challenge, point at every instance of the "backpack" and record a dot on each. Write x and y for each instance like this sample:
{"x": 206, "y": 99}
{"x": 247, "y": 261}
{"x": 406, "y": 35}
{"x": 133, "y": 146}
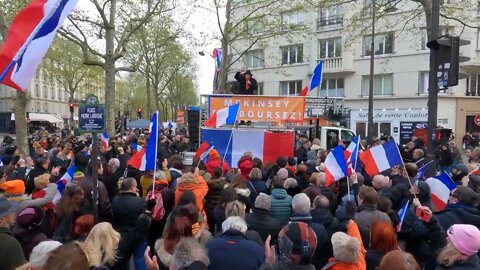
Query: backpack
{"x": 158, "y": 211}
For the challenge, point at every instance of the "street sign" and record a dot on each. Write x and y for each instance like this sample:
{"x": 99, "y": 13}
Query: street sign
{"x": 91, "y": 118}
{"x": 477, "y": 120}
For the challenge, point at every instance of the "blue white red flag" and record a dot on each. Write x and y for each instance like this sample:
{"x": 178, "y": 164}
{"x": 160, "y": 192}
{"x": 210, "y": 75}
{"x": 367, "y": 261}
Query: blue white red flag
{"x": 226, "y": 116}
{"x": 152, "y": 145}
{"x": 136, "y": 147}
{"x": 440, "y": 188}
{"x": 315, "y": 81}
{"x": 381, "y": 158}
{"x": 138, "y": 160}
{"x": 66, "y": 178}
{"x": 104, "y": 139}
{"x": 30, "y": 35}
{"x": 402, "y": 214}
{"x": 335, "y": 165}
{"x": 351, "y": 155}
{"x": 423, "y": 170}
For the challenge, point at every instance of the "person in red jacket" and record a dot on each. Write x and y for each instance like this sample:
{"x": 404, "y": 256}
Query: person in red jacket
{"x": 214, "y": 161}
{"x": 245, "y": 164}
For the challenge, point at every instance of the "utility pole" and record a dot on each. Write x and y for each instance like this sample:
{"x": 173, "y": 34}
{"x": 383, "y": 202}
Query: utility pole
{"x": 372, "y": 79}
{"x": 433, "y": 87}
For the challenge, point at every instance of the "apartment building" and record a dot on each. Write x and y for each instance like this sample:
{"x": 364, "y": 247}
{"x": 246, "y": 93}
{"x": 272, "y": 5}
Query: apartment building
{"x": 340, "y": 36}
{"x": 47, "y": 100}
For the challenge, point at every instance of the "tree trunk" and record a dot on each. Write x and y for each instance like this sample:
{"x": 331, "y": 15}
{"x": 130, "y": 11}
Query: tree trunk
{"x": 223, "y": 74}
{"x": 110, "y": 71}
{"x": 21, "y": 129}
{"x": 149, "y": 90}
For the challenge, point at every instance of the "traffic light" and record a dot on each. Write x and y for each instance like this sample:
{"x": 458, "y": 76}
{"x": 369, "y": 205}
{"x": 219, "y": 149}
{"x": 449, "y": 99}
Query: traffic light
{"x": 448, "y": 59}
{"x": 72, "y": 106}
{"x": 139, "y": 113}
{"x": 442, "y": 135}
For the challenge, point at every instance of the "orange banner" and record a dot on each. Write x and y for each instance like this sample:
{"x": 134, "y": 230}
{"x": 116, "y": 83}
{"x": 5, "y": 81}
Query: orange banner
{"x": 262, "y": 108}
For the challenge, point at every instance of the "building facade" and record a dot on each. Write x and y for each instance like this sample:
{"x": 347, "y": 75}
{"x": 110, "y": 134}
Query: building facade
{"x": 340, "y": 36}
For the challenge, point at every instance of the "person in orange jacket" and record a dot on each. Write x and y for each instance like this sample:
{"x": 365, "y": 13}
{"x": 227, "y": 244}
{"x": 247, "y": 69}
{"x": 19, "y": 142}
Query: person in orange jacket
{"x": 195, "y": 183}
{"x": 348, "y": 250}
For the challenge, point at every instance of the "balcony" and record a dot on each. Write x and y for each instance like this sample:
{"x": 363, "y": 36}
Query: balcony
{"x": 337, "y": 65}
{"x": 330, "y": 23}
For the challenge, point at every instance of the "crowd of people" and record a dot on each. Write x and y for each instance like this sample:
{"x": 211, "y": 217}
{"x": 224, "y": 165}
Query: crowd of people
{"x": 277, "y": 215}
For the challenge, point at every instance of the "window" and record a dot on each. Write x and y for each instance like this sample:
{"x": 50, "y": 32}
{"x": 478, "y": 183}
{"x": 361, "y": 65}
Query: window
{"x": 37, "y": 74}
{"x": 52, "y": 93}
{"x": 37, "y": 90}
{"x": 290, "y": 88}
{"x": 330, "y": 48}
{"x": 383, "y": 85}
{"x": 37, "y": 106}
{"x": 59, "y": 94}
{"x": 332, "y": 88}
{"x": 423, "y": 82}
{"x": 45, "y": 106}
{"x": 292, "y": 19}
{"x": 383, "y": 44}
{"x": 292, "y": 54}
{"x": 331, "y": 16}
{"x": 254, "y": 26}
{"x": 45, "y": 92}
{"x": 254, "y": 59}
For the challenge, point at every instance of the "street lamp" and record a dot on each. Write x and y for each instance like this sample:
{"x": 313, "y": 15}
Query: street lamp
{"x": 371, "y": 129}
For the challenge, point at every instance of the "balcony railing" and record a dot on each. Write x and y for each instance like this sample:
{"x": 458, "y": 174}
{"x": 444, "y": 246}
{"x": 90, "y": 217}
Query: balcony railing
{"x": 332, "y": 63}
{"x": 330, "y": 22}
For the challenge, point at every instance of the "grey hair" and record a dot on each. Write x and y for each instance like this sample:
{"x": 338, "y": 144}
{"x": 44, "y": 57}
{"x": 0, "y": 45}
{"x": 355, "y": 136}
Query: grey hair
{"x": 235, "y": 208}
{"x": 187, "y": 251}
{"x": 128, "y": 183}
{"x": 321, "y": 180}
{"x": 234, "y": 223}
{"x": 301, "y": 204}
{"x": 114, "y": 162}
{"x": 290, "y": 183}
{"x": 263, "y": 201}
{"x": 160, "y": 174}
{"x": 40, "y": 253}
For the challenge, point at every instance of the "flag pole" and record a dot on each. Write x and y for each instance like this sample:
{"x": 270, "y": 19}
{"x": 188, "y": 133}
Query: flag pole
{"x": 156, "y": 151}
{"x": 230, "y": 140}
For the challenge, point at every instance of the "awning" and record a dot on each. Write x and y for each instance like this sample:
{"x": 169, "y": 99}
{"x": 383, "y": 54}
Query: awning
{"x": 42, "y": 117}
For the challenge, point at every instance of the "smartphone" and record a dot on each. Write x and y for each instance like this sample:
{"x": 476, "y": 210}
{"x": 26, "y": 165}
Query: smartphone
{"x": 423, "y": 215}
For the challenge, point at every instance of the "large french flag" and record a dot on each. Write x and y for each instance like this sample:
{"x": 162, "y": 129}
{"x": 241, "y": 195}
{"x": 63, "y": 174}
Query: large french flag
{"x": 381, "y": 158}
{"x": 226, "y": 116}
{"x": 440, "y": 188}
{"x": 29, "y": 37}
{"x": 315, "y": 81}
{"x": 335, "y": 165}
{"x": 264, "y": 145}
{"x": 351, "y": 154}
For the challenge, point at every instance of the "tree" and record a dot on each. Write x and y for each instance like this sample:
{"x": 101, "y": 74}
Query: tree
{"x": 64, "y": 62}
{"x": 248, "y": 23}
{"x": 116, "y": 22}
{"x": 7, "y": 12}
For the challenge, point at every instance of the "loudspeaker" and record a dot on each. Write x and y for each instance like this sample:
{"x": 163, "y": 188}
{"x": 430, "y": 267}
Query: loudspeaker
{"x": 193, "y": 125}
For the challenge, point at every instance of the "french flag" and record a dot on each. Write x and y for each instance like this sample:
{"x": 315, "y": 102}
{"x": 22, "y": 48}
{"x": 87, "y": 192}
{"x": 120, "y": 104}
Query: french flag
{"x": 232, "y": 144}
{"x": 381, "y": 158}
{"x": 104, "y": 139}
{"x": 66, "y": 178}
{"x": 203, "y": 151}
{"x": 226, "y": 116}
{"x": 136, "y": 147}
{"x": 315, "y": 81}
{"x": 351, "y": 154}
{"x": 402, "y": 214}
{"x": 423, "y": 170}
{"x": 475, "y": 171}
{"x": 146, "y": 159}
{"x": 335, "y": 165}
{"x": 440, "y": 188}
{"x": 29, "y": 37}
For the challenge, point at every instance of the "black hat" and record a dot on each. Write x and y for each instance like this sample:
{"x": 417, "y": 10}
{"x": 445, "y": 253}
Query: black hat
{"x": 248, "y": 72}
{"x": 297, "y": 242}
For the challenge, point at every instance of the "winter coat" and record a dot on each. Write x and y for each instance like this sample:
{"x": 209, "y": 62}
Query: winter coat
{"x": 164, "y": 257}
{"x": 29, "y": 183}
{"x": 302, "y": 180}
{"x": 312, "y": 191}
{"x": 366, "y": 215}
{"x": 25, "y": 201}
{"x": 127, "y": 207}
{"x": 323, "y": 251}
{"x": 256, "y": 187}
{"x": 28, "y": 238}
{"x": 332, "y": 198}
{"x": 261, "y": 221}
{"x": 11, "y": 250}
{"x": 233, "y": 251}
{"x": 325, "y": 218}
{"x": 283, "y": 266}
{"x": 104, "y": 205}
{"x": 175, "y": 174}
{"x": 217, "y": 163}
{"x": 243, "y": 85}
{"x": 472, "y": 263}
{"x": 281, "y": 205}
{"x": 215, "y": 188}
{"x": 18, "y": 173}
{"x": 196, "y": 184}
{"x": 301, "y": 154}
{"x": 458, "y": 214}
{"x": 146, "y": 181}
{"x": 245, "y": 165}
{"x": 373, "y": 259}
{"x": 352, "y": 230}
{"x": 243, "y": 195}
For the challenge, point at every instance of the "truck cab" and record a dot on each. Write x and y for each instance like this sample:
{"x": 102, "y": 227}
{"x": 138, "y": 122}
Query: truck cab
{"x": 329, "y": 136}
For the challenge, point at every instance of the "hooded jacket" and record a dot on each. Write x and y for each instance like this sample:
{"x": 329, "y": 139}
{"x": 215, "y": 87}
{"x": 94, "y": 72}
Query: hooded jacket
{"x": 281, "y": 205}
{"x": 458, "y": 214}
{"x": 215, "y": 187}
{"x": 196, "y": 184}
{"x": 245, "y": 165}
{"x": 261, "y": 221}
{"x": 216, "y": 163}
{"x": 325, "y": 218}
